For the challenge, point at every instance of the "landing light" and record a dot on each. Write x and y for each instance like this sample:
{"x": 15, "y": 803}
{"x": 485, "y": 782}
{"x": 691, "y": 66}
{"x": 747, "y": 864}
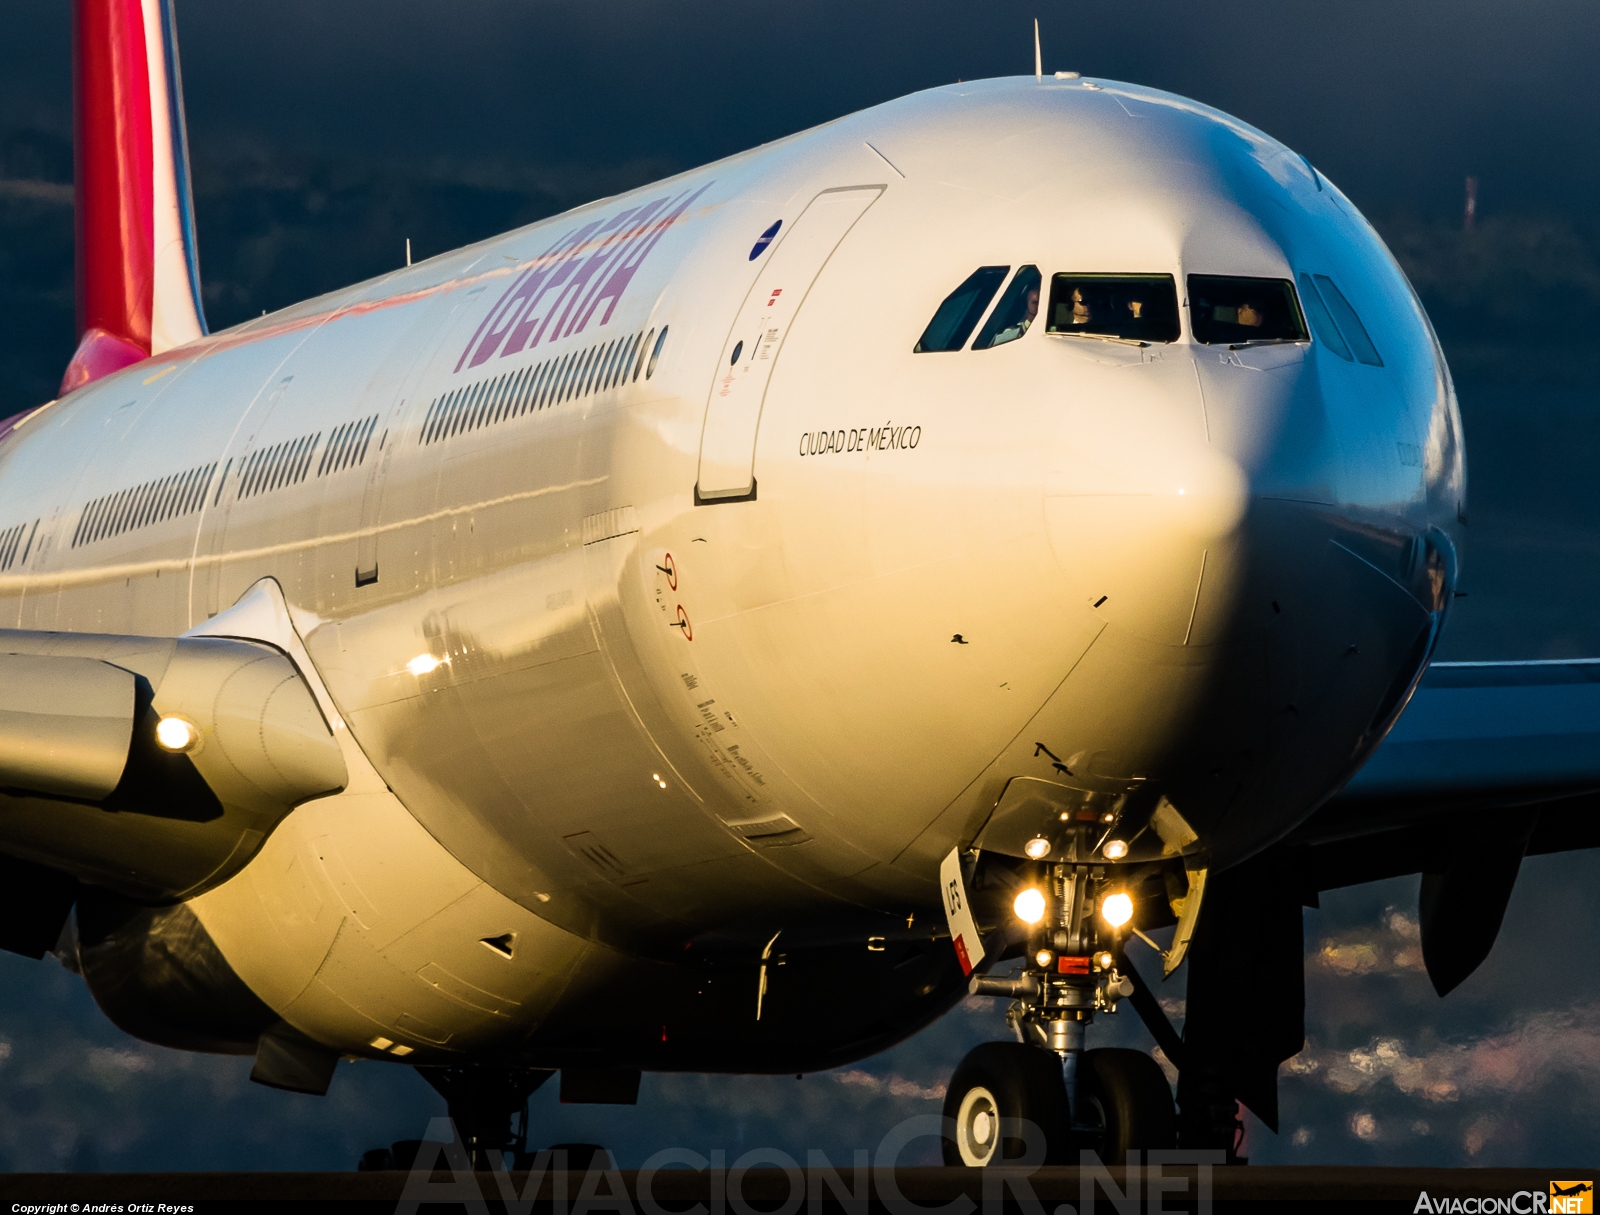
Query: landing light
{"x": 1037, "y": 848}
{"x": 176, "y": 734}
{"x": 1115, "y": 850}
{"x": 422, "y": 664}
{"x": 1117, "y": 909}
{"x": 1103, "y": 960}
{"x": 1044, "y": 957}
{"x": 1029, "y": 906}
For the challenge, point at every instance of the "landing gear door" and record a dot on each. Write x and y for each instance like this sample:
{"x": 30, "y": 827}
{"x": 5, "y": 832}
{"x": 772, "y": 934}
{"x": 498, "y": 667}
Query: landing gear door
{"x": 733, "y": 408}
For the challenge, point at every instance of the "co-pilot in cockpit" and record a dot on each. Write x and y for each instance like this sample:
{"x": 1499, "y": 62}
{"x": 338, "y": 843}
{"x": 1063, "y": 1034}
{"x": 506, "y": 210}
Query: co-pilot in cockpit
{"x": 1144, "y": 308}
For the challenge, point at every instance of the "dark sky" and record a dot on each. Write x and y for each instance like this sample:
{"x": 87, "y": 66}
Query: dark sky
{"x": 323, "y": 134}
{"x": 1396, "y": 100}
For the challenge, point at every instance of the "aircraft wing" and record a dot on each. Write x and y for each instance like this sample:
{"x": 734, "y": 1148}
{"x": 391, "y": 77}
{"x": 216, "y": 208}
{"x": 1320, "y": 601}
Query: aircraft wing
{"x": 1508, "y": 739}
{"x": 1490, "y": 762}
{"x": 1491, "y": 734}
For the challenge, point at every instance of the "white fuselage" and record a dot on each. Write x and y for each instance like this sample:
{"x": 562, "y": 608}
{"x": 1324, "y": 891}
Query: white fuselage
{"x": 638, "y": 653}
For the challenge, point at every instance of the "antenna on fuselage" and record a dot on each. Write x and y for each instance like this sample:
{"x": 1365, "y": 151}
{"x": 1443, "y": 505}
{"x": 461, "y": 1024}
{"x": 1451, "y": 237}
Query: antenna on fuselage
{"x": 1038, "y": 59}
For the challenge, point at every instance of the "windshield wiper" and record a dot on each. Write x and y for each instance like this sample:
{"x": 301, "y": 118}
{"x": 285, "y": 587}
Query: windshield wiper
{"x": 1100, "y": 337}
{"x": 1265, "y": 342}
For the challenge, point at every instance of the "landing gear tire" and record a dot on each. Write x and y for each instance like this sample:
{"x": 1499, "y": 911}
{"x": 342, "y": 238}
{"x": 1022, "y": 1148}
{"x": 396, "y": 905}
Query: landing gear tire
{"x": 1124, "y": 1104}
{"x": 1004, "y": 1081}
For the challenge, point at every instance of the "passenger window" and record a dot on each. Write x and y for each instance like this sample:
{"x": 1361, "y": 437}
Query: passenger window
{"x": 1130, "y": 307}
{"x": 1015, "y": 311}
{"x": 1322, "y": 320}
{"x": 1349, "y": 323}
{"x": 961, "y": 311}
{"x": 655, "y": 354}
{"x": 644, "y": 349}
{"x": 1225, "y": 309}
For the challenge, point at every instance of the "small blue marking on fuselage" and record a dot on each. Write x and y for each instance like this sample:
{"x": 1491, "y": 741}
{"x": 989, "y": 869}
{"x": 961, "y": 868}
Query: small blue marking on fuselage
{"x": 765, "y": 240}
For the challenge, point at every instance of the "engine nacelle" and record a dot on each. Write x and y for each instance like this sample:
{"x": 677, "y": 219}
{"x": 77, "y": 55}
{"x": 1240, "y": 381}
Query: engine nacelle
{"x": 154, "y": 767}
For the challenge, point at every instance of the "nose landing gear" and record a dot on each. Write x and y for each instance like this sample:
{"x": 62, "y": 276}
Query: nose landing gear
{"x": 998, "y": 1087}
{"x": 1124, "y": 1104}
{"x": 1110, "y": 1101}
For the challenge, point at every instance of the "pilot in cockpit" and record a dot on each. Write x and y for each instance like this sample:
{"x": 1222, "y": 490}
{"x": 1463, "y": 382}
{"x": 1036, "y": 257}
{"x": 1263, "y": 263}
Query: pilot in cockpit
{"x": 1081, "y": 313}
{"x": 1019, "y": 325}
{"x": 1249, "y": 315}
{"x": 1033, "y": 309}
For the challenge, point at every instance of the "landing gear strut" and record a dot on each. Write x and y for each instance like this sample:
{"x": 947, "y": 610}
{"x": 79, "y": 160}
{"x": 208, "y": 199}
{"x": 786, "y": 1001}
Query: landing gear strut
{"x": 1109, "y": 1101}
{"x": 489, "y": 1106}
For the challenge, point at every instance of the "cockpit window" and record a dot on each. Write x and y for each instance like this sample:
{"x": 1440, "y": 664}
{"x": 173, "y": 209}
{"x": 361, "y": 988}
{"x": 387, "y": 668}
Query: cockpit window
{"x": 1133, "y": 307}
{"x": 1344, "y": 314}
{"x": 1225, "y": 309}
{"x": 1015, "y": 311}
{"x": 961, "y": 311}
{"x": 1322, "y": 320}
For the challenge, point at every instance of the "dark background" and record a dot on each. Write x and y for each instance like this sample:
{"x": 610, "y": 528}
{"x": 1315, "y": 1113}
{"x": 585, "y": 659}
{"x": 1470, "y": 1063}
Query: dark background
{"x": 324, "y": 135}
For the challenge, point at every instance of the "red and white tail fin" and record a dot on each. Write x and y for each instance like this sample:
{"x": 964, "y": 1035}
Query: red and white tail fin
{"x": 138, "y": 268}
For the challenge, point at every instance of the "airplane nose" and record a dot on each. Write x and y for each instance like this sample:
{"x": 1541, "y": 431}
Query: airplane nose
{"x": 1268, "y": 598}
{"x": 1141, "y": 500}
{"x": 1138, "y": 557}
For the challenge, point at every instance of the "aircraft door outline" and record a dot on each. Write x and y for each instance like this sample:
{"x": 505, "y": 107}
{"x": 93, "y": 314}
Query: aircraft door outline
{"x": 738, "y": 391}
